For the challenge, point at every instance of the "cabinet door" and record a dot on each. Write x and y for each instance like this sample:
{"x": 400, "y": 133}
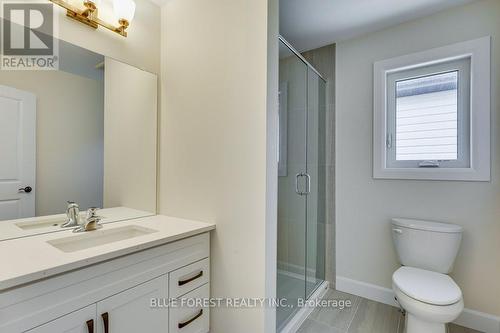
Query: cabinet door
{"x": 130, "y": 311}
{"x": 80, "y": 321}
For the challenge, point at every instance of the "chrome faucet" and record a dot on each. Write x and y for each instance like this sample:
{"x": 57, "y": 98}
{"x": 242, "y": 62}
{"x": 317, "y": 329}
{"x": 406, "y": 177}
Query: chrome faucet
{"x": 91, "y": 221}
{"x": 73, "y": 215}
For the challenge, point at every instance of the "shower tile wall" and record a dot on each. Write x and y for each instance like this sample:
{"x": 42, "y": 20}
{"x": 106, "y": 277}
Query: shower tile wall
{"x": 323, "y": 59}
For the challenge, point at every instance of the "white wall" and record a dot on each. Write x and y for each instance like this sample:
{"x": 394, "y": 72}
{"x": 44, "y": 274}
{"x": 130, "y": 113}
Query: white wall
{"x": 213, "y": 142}
{"x": 364, "y": 205}
{"x": 69, "y": 158}
{"x": 271, "y": 230}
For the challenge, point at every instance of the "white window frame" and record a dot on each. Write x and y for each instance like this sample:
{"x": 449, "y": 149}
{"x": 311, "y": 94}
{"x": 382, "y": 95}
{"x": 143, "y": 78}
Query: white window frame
{"x": 478, "y": 51}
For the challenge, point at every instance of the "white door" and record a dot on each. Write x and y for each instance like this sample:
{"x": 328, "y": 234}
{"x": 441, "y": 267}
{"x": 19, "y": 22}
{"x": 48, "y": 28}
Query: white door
{"x": 80, "y": 321}
{"x": 130, "y": 311}
{"x": 17, "y": 153}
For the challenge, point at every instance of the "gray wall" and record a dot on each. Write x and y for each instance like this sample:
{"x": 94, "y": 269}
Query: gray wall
{"x": 364, "y": 205}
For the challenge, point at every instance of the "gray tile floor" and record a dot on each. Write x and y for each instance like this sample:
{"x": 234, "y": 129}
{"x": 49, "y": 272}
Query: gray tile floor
{"x": 364, "y": 316}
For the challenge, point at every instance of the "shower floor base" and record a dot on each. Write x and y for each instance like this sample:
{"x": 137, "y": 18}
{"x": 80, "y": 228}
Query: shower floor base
{"x": 291, "y": 287}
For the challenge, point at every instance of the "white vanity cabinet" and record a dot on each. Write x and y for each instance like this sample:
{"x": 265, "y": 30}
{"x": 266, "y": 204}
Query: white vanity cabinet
{"x": 80, "y": 321}
{"x": 115, "y": 296}
{"x": 130, "y": 310}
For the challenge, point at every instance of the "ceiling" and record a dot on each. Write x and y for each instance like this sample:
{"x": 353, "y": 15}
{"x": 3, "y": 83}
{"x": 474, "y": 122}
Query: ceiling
{"x": 308, "y": 24}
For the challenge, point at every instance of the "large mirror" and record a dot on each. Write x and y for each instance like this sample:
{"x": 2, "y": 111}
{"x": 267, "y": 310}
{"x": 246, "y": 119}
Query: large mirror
{"x": 85, "y": 133}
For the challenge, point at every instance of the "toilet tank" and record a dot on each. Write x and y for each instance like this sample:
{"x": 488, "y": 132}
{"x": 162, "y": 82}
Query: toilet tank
{"x": 425, "y": 244}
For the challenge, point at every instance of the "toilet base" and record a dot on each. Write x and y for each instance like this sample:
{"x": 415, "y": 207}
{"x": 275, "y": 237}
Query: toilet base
{"x": 416, "y": 325}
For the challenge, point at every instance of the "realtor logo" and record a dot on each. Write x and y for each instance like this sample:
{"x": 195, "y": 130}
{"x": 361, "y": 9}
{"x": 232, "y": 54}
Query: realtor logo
{"x": 28, "y": 41}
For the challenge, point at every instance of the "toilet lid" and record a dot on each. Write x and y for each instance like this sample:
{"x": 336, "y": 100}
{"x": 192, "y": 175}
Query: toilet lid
{"x": 426, "y": 286}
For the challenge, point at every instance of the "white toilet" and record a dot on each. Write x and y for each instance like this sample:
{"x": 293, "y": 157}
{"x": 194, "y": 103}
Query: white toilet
{"x": 427, "y": 251}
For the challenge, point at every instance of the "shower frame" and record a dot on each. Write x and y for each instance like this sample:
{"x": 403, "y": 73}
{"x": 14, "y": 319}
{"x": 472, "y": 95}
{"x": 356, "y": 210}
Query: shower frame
{"x": 291, "y": 323}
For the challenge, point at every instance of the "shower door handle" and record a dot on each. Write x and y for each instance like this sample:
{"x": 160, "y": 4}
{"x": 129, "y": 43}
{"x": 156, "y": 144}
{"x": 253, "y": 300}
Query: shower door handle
{"x": 297, "y": 176}
{"x": 308, "y": 183}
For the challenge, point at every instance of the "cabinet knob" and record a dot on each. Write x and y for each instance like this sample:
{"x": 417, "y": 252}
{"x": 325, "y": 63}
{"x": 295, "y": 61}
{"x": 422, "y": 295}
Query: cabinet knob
{"x": 105, "y": 320}
{"x": 197, "y": 276}
{"x": 90, "y": 325}
{"x": 184, "y": 324}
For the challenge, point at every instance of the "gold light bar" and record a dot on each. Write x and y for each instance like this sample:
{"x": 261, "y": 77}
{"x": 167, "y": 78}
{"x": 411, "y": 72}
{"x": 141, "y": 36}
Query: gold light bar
{"x": 90, "y": 17}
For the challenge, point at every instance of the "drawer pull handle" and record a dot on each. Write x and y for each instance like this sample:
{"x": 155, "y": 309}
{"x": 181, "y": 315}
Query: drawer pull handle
{"x": 105, "y": 319}
{"x": 197, "y": 276}
{"x": 90, "y": 325}
{"x": 184, "y": 324}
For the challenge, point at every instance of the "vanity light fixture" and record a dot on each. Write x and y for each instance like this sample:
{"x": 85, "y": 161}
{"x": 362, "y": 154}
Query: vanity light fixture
{"x": 123, "y": 9}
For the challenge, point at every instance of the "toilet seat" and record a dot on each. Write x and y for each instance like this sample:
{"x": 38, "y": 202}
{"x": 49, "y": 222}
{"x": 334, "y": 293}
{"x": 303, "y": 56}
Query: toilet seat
{"x": 426, "y": 286}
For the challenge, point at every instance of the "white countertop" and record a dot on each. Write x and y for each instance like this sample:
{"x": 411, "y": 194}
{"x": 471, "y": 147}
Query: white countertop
{"x": 10, "y": 229}
{"x": 28, "y": 259}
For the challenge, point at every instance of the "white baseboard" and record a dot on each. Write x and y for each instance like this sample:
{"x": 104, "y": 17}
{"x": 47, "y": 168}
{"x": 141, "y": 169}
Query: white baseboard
{"x": 476, "y": 320}
{"x": 366, "y": 290}
{"x": 288, "y": 267}
{"x": 298, "y": 319}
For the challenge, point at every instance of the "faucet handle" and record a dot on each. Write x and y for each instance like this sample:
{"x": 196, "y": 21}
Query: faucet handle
{"x": 91, "y": 221}
{"x": 91, "y": 212}
{"x": 72, "y": 204}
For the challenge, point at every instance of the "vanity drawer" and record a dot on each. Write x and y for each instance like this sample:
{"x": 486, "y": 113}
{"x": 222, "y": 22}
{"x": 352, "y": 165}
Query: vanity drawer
{"x": 190, "y": 316}
{"x": 188, "y": 278}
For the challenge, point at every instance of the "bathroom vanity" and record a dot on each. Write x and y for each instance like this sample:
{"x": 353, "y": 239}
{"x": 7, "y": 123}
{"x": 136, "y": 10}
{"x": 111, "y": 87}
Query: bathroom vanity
{"x": 120, "y": 278}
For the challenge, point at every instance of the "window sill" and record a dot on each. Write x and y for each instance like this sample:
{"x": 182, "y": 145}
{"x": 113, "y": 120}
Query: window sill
{"x": 456, "y": 174}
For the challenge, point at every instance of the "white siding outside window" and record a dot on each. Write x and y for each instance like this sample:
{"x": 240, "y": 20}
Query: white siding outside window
{"x": 426, "y": 118}
{"x": 428, "y": 112}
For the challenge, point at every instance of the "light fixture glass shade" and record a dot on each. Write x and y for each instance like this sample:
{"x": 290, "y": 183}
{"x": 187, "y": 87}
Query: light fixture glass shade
{"x": 124, "y": 9}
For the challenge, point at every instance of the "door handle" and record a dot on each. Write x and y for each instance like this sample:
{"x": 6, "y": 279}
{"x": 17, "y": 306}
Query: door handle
{"x": 297, "y": 183}
{"x": 308, "y": 183}
{"x": 105, "y": 320}
{"x": 184, "y": 324}
{"x": 26, "y": 189}
{"x": 90, "y": 325}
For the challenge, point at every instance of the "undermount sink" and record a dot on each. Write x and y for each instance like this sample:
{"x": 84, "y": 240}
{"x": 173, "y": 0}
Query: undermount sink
{"x": 52, "y": 222}
{"x": 44, "y": 223}
{"x": 91, "y": 239}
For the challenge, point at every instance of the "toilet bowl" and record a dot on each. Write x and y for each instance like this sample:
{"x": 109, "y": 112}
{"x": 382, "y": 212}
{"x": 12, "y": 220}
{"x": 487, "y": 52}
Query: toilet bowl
{"x": 427, "y": 251}
{"x": 430, "y": 299}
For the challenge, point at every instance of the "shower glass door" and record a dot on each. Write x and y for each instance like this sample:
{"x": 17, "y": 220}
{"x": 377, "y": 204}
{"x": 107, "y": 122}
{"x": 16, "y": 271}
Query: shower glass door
{"x": 301, "y": 182}
{"x": 292, "y": 163}
{"x": 291, "y": 166}
{"x": 316, "y": 171}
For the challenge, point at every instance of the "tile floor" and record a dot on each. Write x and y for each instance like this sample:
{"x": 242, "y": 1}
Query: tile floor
{"x": 364, "y": 316}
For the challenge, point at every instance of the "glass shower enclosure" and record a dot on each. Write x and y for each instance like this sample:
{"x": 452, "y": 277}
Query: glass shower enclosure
{"x": 301, "y": 181}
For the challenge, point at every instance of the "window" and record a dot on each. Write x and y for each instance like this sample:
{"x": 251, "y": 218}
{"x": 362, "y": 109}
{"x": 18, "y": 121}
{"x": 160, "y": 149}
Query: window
{"x": 427, "y": 117}
{"x": 431, "y": 114}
